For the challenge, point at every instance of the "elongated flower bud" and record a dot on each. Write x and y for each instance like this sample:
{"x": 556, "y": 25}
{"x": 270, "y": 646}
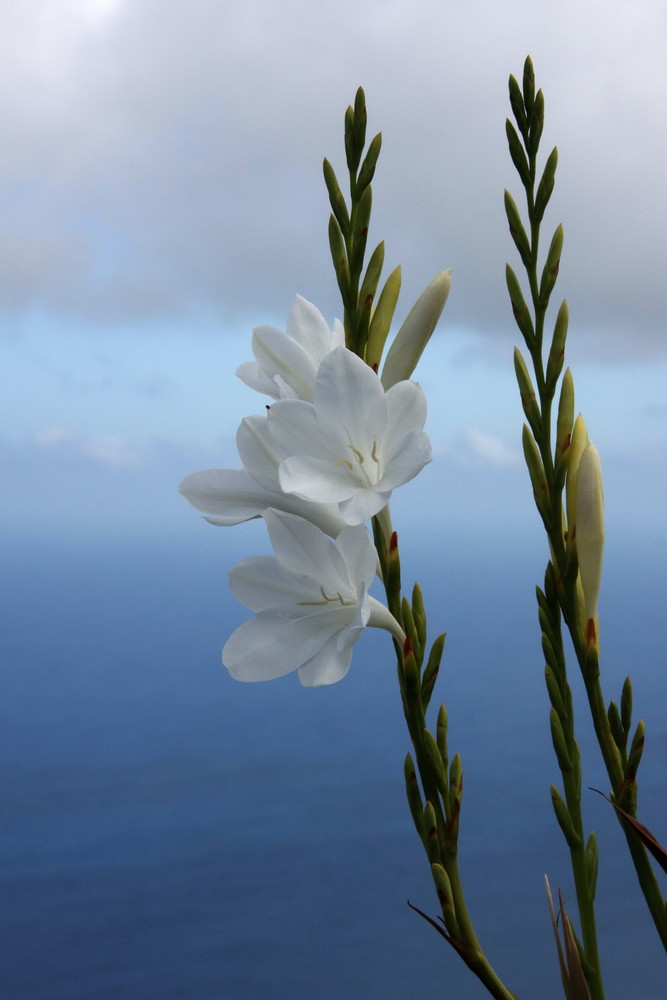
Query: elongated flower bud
{"x": 412, "y": 338}
{"x": 589, "y": 521}
{"x": 578, "y": 442}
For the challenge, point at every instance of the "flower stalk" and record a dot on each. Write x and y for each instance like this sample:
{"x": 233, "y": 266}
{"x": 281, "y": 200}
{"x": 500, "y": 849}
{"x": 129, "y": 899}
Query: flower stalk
{"x": 573, "y": 572}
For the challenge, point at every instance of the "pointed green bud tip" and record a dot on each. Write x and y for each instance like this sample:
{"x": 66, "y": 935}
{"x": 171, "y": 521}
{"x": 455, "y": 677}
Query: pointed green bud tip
{"x": 589, "y": 520}
{"x": 410, "y": 341}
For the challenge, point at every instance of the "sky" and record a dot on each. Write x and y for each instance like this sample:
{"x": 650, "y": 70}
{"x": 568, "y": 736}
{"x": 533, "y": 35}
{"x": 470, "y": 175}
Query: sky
{"x": 161, "y": 194}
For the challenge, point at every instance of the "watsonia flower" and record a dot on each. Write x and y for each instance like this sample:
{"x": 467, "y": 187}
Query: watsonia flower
{"x": 286, "y": 362}
{"x": 230, "y": 496}
{"x": 355, "y": 442}
{"x": 312, "y": 603}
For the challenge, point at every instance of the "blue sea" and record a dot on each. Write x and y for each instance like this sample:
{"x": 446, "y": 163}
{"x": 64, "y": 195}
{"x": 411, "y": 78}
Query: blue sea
{"x": 170, "y": 834}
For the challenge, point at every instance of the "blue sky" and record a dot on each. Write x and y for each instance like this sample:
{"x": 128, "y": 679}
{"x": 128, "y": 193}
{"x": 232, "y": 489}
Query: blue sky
{"x": 161, "y": 195}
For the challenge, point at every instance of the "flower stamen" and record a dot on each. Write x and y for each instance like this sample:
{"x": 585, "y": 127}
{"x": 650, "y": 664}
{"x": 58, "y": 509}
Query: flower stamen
{"x": 326, "y": 600}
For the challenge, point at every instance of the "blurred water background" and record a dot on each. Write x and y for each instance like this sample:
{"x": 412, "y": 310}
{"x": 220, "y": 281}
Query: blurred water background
{"x": 169, "y": 833}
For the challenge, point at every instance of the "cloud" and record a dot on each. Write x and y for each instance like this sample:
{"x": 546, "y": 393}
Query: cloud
{"x": 478, "y": 448}
{"x": 162, "y": 160}
{"x": 107, "y": 450}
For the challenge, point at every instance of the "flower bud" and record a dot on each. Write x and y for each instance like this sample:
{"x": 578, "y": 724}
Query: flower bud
{"x": 413, "y": 336}
{"x": 578, "y": 442}
{"x": 590, "y": 526}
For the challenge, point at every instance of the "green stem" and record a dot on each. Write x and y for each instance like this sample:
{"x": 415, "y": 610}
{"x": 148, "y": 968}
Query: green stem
{"x": 613, "y": 764}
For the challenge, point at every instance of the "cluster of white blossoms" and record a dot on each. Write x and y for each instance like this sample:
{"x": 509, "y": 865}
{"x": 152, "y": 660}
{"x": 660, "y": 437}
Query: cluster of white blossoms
{"x": 322, "y": 460}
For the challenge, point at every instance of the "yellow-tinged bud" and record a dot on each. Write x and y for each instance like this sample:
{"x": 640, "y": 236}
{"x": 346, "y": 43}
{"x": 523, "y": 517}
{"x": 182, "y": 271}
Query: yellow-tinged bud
{"x": 589, "y": 521}
{"x": 578, "y": 442}
{"x": 413, "y": 336}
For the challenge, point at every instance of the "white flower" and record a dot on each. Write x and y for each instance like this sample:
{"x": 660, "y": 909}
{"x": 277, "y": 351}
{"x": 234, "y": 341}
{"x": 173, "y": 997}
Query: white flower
{"x": 286, "y": 363}
{"x": 311, "y": 600}
{"x": 409, "y": 343}
{"x": 229, "y": 496}
{"x": 355, "y": 443}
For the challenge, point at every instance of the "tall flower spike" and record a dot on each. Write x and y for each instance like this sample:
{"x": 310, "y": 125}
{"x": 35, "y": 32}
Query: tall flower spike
{"x": 409, "y": 343}
{"x": 590, "y": 526}
{"x": 311, "y": 600}
{"x": 286, "y": 363}
{"x": 355, "y": 443}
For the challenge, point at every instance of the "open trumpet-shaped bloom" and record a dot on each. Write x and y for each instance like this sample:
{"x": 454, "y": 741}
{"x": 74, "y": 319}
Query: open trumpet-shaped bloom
{"x": 286, "y": 363}
{"x": 230, "y": 496}
{"x": 354, "y": 443}
{"x": 311, "y": 600}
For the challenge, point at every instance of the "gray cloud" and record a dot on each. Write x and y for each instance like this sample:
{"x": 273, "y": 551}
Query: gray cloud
{"x": 161, "y": 160}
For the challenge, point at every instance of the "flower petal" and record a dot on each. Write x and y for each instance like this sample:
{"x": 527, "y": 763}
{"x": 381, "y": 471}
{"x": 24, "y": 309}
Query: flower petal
{"x": 269, "y": 646}
{"x": 359, "y": 553}
{"x": 260, "y": 582}
{"x": 327, "y": 667}
{"x": 317, "y": 479}
{"x": 349, "y": 393}
{"x": 404, "y": 464}
{"x": 278, "y": 354}
{"x": 306, "y": 551}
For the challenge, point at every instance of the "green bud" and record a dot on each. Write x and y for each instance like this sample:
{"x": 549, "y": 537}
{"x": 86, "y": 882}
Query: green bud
{"x": 355, "y": 131}
{"x": 410, "y": 628}
{"x": 626, "y": 705}
{"x": 553, "y": 689}
{"x": 441, "y": 736}
{"x": 336, "y": 199}
{"x": 589, "y": 519}
{"x": 559, "y": 742}
{"x": 536, "y": 471}
{"x": 360, "y": 234}
{"x": 526, "y": 391}
{"x": 339, "y": 258}
{"x": 372, "y": 276}
{"x": 432, "y": 668}
{"x": 550, "y": 654}
{"x": 381, "y": 319}
{"x": 636, "y": 751}
{"x": 551, "y": 585}
{"x": 519, "y": 307}
{"x": 411, "y": 680}
{"x": 430, "y": 834}
{"x": 592, "y": 864}
{"x": 528, "y": 85}
{"x": 536, "y": 123}
{"x": 620, "y": 737}
{"x": 550, "y": 633}
{"x": 546, "y": 185}
{"x": 564, "y": 421}
{"x": 413, "y": 795}
{"x": 551, "y": 266}
{"x": 370, "y": 162}
{"x": 436, "y": 762}
{"x": 578, "y": 442}
{"x": 564, "y": 818}
{"x": 455, "y": 787}
{"x": 443, "y": 887}
{"x": 367, "y": 295}
{"x": 516, "y": 101}
{"x": 393, "y": 574}
{"x": 419, "y": 614}
{"x": 517, "y": 153}
{"x": 517, "y": 231}
{"x": 542, "y": 602}
{"x": 350, "y": 152}
{"x": 557, "y": 350}
{"x": 409, "y": 343}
